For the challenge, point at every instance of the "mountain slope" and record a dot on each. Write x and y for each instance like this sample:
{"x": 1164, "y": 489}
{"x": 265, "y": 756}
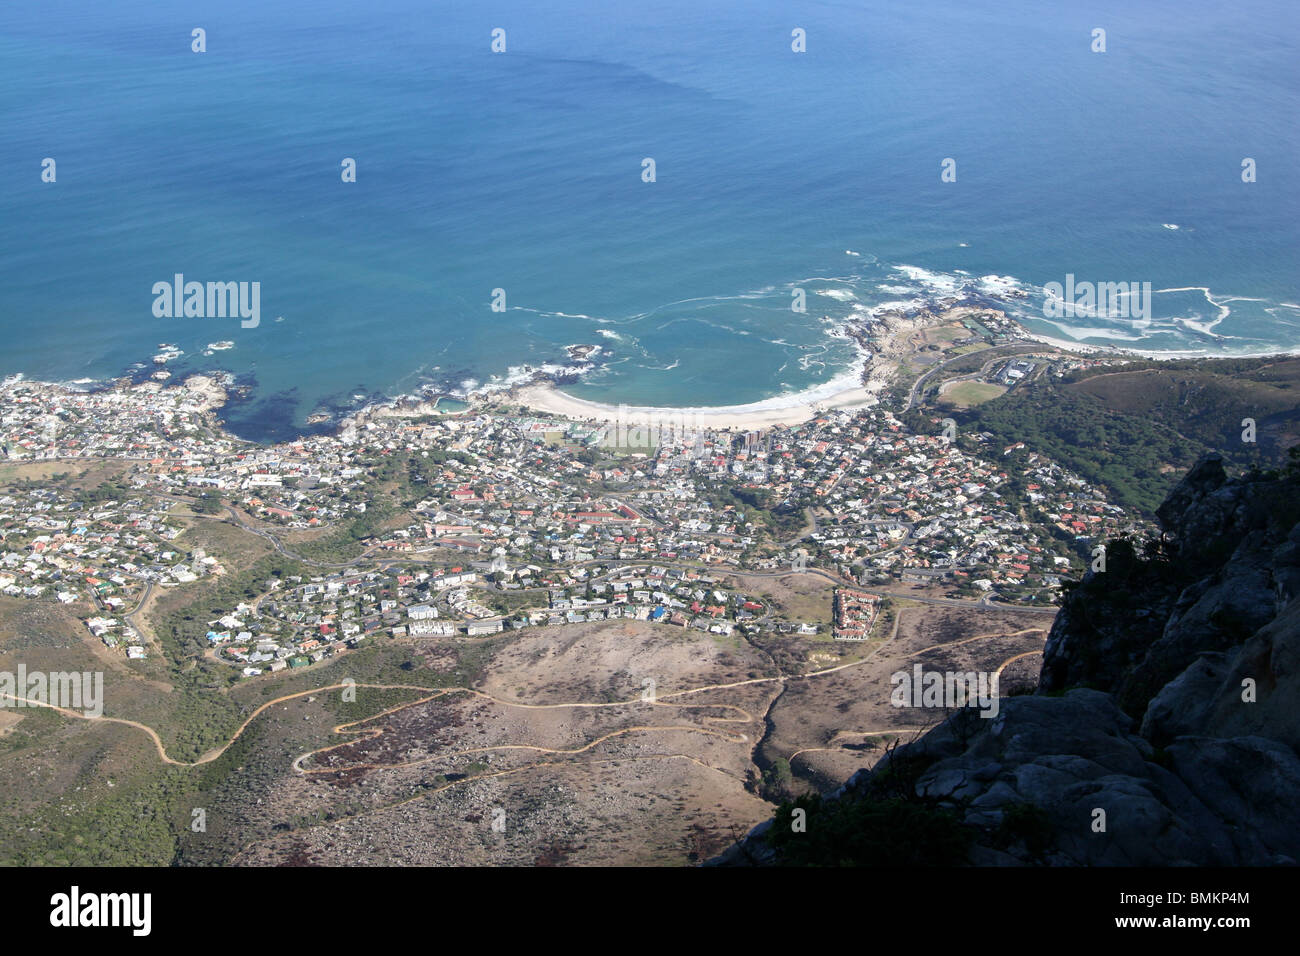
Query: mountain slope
{"x": 1165, "y": 729}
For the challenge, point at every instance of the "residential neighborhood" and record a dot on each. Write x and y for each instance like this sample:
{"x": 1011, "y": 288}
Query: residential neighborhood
{"x": 512, "y": 521}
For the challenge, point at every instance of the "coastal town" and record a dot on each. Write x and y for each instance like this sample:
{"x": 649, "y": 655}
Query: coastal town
{"x": 753, "y": 436}
{"x": 436, "y": 525}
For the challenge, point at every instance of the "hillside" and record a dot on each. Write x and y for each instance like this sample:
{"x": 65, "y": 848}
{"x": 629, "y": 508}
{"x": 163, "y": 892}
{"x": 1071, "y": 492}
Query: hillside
{"x": 1164, "y": 730}
{"x": 1136, "y": 430}
{"x": 1208, "y": 400}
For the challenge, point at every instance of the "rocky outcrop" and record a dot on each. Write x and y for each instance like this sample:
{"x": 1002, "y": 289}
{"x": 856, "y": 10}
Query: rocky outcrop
{"x": 1166, "y": 726}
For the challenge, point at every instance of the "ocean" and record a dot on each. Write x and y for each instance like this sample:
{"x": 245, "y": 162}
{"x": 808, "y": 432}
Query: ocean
{"x": 522, "y": 171}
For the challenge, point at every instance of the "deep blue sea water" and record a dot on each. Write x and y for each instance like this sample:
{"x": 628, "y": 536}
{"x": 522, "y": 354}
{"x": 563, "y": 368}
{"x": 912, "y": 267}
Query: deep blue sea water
{"x": 522, "y": 171}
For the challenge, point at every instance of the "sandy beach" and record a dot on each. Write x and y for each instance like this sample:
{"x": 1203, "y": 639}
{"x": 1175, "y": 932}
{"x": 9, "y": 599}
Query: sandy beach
{"x": 893, "y": 342}
{"x": 857, "y": 388}
{"x": 791, "y": 410}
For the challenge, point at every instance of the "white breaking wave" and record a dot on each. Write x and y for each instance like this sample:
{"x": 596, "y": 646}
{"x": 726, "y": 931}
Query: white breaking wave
{"x": 908, "y": 289}
{"x": 1220, "y": 304}
{"x": 1205, "y": 328}
{"x": 904, "y": 305}
{"x": 1000, "y": 285}
{"x": 548, "y": 312}
{"x": 1078, "y": 333}
{"x": 519, "y": 375}
{"x": 935, "y": 282}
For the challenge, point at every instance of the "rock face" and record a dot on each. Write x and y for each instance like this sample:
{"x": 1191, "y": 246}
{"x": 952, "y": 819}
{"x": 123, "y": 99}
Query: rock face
{"x": 1166, "y": 726}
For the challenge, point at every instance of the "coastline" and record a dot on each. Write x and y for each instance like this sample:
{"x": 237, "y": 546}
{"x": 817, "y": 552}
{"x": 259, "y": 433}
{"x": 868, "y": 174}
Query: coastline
{"x": 209, "y": 393}
{"x": 851, "y": 389}
{"x": 791, "y": 410}
{"x": 1156, "y": 355}
{"x": 858, "y": 387}
{"x": 883, "y": 346}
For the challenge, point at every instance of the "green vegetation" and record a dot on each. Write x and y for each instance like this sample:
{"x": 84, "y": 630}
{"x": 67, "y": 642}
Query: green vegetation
{"x": 145, "y": 819}
{"x": 395, "y": 484}
{"x": 1208, "y": 401}
{"x": 129, "y": 825}
{"x": 370, "y": 701}
{"x": 756, "y": 505}
{"x": 507, "y": 602}
{"x": 206, "y": 505}
{"x": 200, "y": 716}
{"x": 416, "y": 472}
{"x": 778, "y": 780}
{"x": 347, "y": 542}
{"x": 1135, "y": 429}
{"x": 1136, "y": 458}
{"x": 37, "y": 724}
{"x": 966, "y": 394}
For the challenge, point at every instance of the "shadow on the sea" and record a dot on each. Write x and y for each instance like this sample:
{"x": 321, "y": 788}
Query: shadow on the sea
{"x": 266, "y": 419}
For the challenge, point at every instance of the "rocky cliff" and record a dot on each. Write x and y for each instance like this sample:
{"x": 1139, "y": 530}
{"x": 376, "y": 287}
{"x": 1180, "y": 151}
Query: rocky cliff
{"x": 1164, "y": 731}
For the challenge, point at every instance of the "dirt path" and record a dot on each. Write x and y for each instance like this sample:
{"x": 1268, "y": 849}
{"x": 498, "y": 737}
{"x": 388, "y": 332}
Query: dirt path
{"x": 903, "y": 730}
{"x": 432, "y": 693}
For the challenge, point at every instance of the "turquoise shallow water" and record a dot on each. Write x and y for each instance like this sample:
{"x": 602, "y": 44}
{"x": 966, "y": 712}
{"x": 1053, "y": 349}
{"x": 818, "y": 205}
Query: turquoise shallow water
{"x": 522, "y": 171}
